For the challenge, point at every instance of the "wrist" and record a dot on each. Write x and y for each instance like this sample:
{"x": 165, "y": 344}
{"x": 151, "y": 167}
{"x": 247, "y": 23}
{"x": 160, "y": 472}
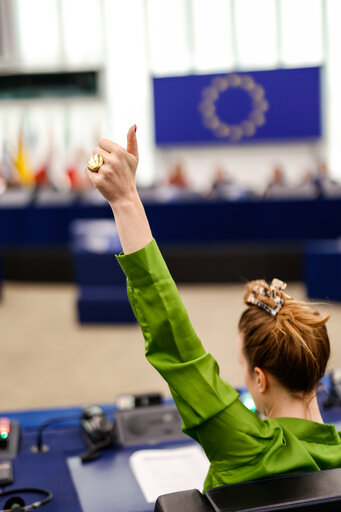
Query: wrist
{"x": 131, "y": 222}
{"x": 124, "y": 203}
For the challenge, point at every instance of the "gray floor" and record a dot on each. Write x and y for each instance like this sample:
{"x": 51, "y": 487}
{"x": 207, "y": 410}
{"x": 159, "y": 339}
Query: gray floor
{"x": 48, "y": 360}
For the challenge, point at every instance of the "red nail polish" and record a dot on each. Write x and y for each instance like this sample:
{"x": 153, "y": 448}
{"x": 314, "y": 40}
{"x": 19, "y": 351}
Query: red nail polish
{"x": 135, "y": 127}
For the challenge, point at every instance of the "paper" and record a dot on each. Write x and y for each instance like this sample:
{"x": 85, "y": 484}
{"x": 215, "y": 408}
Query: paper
{"x": 164, "y": 471}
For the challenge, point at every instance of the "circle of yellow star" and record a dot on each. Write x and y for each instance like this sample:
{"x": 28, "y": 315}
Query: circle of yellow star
{"x": 245, "y": 128}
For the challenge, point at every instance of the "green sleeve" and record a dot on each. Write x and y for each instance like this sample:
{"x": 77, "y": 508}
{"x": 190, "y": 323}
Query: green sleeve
{"x": 192, "y": 374}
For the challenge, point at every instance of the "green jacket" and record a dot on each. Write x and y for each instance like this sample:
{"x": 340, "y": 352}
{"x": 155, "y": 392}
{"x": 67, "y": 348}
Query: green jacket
{"x": 239, "y": 445}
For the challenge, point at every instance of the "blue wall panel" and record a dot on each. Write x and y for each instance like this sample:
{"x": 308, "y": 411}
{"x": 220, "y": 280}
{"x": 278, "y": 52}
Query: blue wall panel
{"x": 280, "y": 104}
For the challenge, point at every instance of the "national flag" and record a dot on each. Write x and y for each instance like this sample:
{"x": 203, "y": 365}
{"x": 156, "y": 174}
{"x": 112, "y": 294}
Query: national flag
{"x": 22, "y": 162}
{"x": 238, "y": 107}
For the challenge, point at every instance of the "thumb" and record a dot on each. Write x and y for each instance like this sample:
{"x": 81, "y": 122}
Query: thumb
{"x": 132, "y": 142}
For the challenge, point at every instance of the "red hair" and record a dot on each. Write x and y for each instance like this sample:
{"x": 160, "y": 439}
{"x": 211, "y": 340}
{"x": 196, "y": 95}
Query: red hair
{"x": 292, "y": 344}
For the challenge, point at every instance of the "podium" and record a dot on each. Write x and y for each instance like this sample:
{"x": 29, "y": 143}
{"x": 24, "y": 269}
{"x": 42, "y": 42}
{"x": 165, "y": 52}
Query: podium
{"x": 102, "y": 296}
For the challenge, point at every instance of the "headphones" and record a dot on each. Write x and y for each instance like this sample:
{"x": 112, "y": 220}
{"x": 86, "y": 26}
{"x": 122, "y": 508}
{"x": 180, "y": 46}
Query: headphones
{"x": 17, "y": 504}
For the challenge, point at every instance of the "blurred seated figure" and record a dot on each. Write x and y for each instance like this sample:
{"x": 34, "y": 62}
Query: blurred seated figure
{"x": 178, "y": 178}
{"x": 177, "y": 187}
{"x": 223, "y": 187}
{"x": 220, "y": 179}
{"x": 220, "y": 182}
{"x": 277, "y": 181}
{"x": 325, "y": 186}
{"x": 278, "y": 188}
{"x": 322, "y": 174}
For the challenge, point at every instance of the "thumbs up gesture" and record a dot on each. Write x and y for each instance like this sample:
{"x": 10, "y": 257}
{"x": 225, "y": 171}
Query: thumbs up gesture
{"x": 115, "y": 179}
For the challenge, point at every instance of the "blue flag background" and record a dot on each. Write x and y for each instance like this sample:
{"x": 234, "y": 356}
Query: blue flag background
{"x": 233, "y": 108}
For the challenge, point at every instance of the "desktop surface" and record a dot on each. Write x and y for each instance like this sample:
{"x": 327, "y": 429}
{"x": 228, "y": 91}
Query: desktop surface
{"x": 107, "y": 483}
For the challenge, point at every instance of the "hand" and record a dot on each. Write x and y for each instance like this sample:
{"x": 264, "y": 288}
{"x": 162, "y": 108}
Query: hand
{"x": 116, "y": 177}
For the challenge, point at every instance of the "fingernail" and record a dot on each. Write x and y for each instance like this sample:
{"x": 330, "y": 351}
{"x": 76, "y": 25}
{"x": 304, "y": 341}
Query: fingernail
{"x": 135, "y": 127}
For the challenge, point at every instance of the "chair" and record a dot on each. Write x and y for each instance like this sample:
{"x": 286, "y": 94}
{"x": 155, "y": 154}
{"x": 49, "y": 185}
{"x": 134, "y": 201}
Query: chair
{"x": 322, "y": 269}
{"x": 319, "y": 491}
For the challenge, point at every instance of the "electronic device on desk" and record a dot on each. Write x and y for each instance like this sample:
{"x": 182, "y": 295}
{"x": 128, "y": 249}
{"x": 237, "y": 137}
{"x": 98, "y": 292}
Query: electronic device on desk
{"x": 16, "y": 502}
{"x": 143, "y": 419}
{"x": 129, "y": 401}
{"x": 334, "y": 396}
{"x": 98, "y": 432}
{"x": 9, "y": 438}
{"x": 6, "y": 473}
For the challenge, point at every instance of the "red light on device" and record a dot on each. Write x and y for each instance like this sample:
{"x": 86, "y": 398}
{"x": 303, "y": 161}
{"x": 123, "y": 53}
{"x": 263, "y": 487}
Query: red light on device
{"x": 5, "y": 427}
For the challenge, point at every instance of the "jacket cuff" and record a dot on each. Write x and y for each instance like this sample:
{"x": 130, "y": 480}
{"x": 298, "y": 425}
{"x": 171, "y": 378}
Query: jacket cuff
{"x": 147, "y": 264}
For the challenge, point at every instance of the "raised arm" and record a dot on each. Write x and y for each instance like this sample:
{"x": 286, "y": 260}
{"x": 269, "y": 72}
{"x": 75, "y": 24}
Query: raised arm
{"x": 209, "y": 407}
{"x": 172, "y": 345}
{"x": 117, "y": 183}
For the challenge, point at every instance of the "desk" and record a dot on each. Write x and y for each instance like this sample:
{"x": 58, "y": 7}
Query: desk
{"x": 184, "y": 222}
{"x": 227, "y": 240}
{"x": 106, "y": 484}
{"x": 89, "y": 490}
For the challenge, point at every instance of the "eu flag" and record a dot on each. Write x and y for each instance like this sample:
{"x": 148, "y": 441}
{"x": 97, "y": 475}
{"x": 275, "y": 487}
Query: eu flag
{"x": 280, "y": 104}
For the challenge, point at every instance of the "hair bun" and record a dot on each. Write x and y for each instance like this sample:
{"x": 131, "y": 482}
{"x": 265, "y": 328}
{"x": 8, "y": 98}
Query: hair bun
{"x": 268, "y": 297}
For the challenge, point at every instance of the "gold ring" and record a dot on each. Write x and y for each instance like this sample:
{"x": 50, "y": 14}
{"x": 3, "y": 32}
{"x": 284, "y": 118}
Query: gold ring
{"x": 95, "y": 162}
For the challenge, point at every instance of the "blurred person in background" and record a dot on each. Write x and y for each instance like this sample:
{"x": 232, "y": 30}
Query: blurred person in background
{"x": 178, "y": 178}
{"x": 220, "y": 183}
{"x": 322, "y": 180}
{"x": 320, "y": 183}
{"x": 276, "y": 183}
{"x": 177, "y": 186}
{"x": 224, "y": 187}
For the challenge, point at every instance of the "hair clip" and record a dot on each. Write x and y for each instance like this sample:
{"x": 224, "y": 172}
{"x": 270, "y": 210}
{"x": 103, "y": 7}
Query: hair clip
{"x": 277, "y": 284}
{"x": 270, "y": 293}
{"x": 272, "y": 311}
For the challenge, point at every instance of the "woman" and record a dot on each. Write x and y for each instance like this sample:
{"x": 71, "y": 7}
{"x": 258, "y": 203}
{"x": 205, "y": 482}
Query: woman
{"x": 283, "y": 348}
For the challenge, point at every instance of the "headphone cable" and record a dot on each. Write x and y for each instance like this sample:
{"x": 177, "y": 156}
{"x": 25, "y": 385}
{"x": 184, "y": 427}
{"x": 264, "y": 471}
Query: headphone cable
{"x": 43, "y": 426}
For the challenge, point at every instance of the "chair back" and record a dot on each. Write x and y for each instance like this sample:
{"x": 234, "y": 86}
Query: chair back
{"x": 319, "y": 491}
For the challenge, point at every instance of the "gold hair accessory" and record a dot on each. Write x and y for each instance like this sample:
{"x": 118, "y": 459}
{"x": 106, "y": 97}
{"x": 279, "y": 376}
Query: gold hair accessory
{"x": 95, "y": 162}
{"x": 270, "y": 292}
